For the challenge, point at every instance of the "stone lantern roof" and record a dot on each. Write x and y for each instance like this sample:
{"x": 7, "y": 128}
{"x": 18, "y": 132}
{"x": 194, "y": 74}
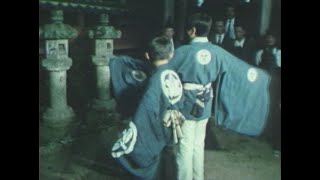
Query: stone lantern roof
{"x": 100, "y": 6}
{"x": 57, "y": 29}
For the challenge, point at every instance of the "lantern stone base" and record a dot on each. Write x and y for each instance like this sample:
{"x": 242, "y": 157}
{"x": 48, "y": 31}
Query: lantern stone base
{"x": 103, "y": 105}
{"x": 57, "y": 117}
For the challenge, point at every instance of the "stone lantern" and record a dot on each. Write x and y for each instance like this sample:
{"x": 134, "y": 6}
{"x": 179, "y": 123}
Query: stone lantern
{"x": 103, "y": 35}
{"x": 57, "y": 62}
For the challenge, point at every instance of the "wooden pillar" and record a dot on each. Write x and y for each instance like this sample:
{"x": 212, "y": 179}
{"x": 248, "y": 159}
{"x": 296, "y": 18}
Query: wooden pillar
{"x": 265, "y": 16}
{"x": 180, "y": 18}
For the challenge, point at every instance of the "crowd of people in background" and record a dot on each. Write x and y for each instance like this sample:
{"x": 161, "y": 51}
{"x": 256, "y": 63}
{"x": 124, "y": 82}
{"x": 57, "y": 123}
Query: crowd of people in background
{"x": 234, "y": 28}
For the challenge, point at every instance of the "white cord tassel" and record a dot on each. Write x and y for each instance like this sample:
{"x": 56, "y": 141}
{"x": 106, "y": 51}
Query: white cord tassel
{"x": 175, "y": 118}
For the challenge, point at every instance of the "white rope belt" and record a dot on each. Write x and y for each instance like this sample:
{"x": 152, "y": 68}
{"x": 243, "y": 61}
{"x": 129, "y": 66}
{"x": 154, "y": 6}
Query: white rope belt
{"x": 193, "y": 86}
{"x": 201, "y": 88}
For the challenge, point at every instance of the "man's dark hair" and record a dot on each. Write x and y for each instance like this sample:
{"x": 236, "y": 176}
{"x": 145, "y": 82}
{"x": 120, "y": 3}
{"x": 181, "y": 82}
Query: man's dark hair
{"x": 270, "y": 32}
{"x": 159, "y": 48}
{"x": 229, "y": 5}
{"x": 240, "y": 24}
{"x": 169, "y": 23}
{"x": 219, "y": 19}
{"x": 201, "y": 21}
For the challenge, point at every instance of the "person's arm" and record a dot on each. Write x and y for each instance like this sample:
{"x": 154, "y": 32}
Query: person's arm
{"x": 278, "y": 58}
{"x": 258, "y": 57}
{"x": 252, "y": 50}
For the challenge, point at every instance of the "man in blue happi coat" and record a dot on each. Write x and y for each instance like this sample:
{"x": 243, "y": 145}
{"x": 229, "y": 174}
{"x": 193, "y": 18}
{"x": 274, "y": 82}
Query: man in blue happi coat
{"x": 241, "y": 94}
{"x": 138, "y": 149}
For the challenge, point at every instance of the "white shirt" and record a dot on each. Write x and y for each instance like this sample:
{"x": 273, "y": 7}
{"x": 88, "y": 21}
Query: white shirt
{"x": 199, "y": 39}
{"x": 200, "y": 2}
{"x": 231, "y": 33}
{"x": 240, "y": 43}
{"x": 275, "y": 51}
{"x": 171, "y": 40}
{"x": 219, "y": 38}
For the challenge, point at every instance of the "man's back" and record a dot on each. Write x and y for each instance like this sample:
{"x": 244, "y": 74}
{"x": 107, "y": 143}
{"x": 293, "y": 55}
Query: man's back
{"x": 237, "y": 84}
{"x": 197, "y": 63}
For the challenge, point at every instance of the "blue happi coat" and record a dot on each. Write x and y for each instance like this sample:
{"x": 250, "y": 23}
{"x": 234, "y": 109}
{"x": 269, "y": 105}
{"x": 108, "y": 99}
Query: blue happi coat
{"x": 138, "y": 150}
{"x": 128, "y": 81}
{"x": 242, "y": 94}
{"x": 242, "y": 91}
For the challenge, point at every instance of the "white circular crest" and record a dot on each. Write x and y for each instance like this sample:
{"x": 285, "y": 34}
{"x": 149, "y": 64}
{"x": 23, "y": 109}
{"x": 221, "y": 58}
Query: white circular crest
{"x": 138, "y": 75}
{"x": 171, "y": 86}
{"x": 203, "y": 56}
{"x": 252, "y": 74}
{"x": 126, "y": 143}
